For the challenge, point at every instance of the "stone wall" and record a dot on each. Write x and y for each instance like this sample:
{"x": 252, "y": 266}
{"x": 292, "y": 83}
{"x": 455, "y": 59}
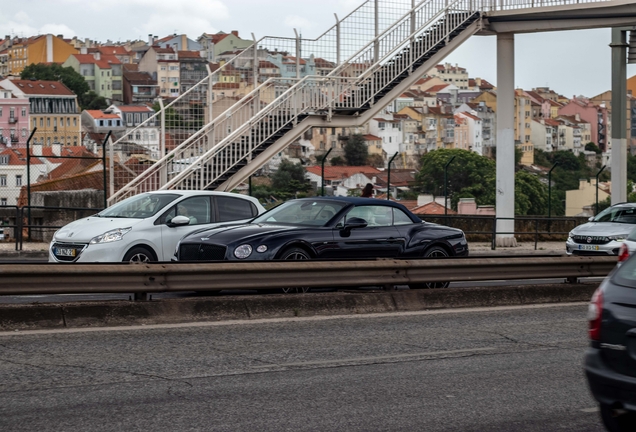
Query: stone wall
{"x": 62, "y": 207}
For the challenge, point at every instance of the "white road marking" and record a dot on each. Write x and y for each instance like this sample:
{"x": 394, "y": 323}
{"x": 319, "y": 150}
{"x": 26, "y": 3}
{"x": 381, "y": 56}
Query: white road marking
{"x": 590, "y": 410}
{"x": 290, "y": 319}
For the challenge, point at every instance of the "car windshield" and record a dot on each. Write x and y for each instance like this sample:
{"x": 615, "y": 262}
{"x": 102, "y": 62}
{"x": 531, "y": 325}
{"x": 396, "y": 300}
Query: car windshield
{"x": 139, "y": 207}
{"x": 617, "y": 214}
{"x": 625, "y": 275}
{"x": 304, "y": 213}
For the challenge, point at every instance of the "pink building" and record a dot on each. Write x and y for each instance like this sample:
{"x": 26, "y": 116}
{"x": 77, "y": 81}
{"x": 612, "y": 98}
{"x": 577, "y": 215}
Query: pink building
{"x": 14, "y": 119}
{"x": 596, "y": 116}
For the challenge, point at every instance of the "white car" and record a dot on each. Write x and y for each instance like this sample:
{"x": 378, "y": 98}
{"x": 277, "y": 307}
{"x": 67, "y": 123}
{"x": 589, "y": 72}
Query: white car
{"x": 148, "y": 226}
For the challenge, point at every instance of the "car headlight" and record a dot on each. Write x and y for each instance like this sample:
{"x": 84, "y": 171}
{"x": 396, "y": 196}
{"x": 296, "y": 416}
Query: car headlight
{"x": 110, "y": 236}
{"x": 619, "y": 237}
{"x": 261, "y": 249}
{"x": 571, "y": 234}
{"x": 243, "y": 251}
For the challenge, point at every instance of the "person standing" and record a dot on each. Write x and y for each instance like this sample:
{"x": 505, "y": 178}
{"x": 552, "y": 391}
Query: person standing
{"x": 367, "y": 192}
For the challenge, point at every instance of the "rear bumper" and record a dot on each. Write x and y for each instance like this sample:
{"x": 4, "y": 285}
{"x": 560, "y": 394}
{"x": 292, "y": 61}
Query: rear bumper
{"x": 608, "y": 386}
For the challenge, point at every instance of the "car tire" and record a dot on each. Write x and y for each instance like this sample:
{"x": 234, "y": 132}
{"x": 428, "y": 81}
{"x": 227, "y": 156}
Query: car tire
{"x": 434, "y": 252}
{"x": 617, "y": 423}
{"x": 294, "y": 254}
{"x": 139, "y": 254}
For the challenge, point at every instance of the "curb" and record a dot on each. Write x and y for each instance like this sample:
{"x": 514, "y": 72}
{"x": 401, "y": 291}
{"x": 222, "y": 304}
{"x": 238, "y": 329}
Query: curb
{"x": 173, "y": 311}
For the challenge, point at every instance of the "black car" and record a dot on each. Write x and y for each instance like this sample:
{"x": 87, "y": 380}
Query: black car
{"x": 333, "y": 227}
{"x": 610, "y": 362}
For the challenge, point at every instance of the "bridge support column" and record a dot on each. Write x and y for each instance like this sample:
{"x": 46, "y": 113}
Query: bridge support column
{"x": 619, "y": 115}
{"x": 505, "y": 183}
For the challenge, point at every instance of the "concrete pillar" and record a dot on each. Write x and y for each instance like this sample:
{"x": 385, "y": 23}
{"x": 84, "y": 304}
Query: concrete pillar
{"x": 505, "y": 192}
{"x": 619, "y": 116}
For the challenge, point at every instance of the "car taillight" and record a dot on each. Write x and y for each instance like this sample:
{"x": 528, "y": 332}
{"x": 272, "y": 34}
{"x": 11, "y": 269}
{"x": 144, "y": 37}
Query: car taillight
{"x": 594, "y": 312}
{"x": 623, "y": 253}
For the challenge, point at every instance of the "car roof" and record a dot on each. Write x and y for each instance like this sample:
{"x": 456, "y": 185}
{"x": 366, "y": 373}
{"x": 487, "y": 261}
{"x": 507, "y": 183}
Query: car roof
{"x": 203, "y": 192}
{"x": 357, "y": 201}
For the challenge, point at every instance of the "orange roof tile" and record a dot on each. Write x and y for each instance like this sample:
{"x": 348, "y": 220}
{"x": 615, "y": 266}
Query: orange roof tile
{"x": 37, "y": 87}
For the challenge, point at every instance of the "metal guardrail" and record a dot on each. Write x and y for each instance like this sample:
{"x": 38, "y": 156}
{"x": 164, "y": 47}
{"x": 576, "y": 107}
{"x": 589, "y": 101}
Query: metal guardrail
{"x": 214, "y": 276}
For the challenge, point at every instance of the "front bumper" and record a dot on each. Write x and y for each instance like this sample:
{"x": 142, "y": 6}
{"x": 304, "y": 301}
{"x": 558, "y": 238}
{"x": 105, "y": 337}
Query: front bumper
{"x": 108, "y": 252}
{"x": 608, "y": 386}
{"x": 610, "y": 248}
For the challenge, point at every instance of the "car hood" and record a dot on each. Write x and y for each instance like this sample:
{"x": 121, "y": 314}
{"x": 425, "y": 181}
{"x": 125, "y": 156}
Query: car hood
{"x": 83, "y": 230}
{"x": 243, "y": 232}
{"x": 602, "y": 229}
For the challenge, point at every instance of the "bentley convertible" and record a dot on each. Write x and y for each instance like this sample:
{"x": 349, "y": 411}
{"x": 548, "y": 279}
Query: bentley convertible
{"x": 327, "y": 228}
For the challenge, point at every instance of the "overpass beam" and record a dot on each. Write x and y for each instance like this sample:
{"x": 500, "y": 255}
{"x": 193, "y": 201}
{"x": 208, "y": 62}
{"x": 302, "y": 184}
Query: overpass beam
{"x": 619, "y": 115}
{"x": 505, "y": 192}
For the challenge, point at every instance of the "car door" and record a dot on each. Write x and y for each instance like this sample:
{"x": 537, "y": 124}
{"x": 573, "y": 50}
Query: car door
{"x": 198, "y": 209}
{"x": 379, "y": 239}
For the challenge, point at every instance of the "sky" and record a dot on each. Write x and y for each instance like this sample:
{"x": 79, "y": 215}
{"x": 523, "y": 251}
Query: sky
{"x": 571, "y": 63}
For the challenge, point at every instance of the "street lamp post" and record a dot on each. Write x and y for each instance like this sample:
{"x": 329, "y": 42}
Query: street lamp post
{"x": 446, "y": 185}
{"x": 597, "y": 175}
{"x": 322, "y": 173}
{"x": 388, "y": 177}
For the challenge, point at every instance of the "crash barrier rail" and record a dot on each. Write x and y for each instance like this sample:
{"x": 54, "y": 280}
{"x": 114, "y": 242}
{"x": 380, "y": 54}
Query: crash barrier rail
{"x": 44, "y": 230}
{"x": 536, "y": 228}
{"x": 142, "y": 279}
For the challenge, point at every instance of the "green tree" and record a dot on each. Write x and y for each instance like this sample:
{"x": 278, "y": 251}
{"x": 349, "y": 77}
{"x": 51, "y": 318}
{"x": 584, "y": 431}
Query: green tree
{"x": 337, "y": 161}
{"x": 469, "y": 175}
{"x": 55, "y": 72}
{"x": 290, "y": 178}
{"x": 93, "y": 101}
{"x": 356, "y": 150}
{"x": 173, "y": 119}
{"x": 531, "y": 196}
{"x": 592, "y": 147}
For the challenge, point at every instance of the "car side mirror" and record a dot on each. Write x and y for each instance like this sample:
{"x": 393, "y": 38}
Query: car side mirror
{"x": 591, "y": 219}
{"x": 353, "y": 223}
{"x": 178, "y": 221}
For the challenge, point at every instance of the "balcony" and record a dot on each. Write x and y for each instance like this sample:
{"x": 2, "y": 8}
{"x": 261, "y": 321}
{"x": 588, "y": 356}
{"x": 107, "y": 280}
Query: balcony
{"x": 13, "y": 119}
{"x": 14, "y": 139}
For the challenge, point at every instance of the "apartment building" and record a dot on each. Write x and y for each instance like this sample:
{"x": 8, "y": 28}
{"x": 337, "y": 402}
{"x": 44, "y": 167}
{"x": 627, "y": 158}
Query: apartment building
{"x": 37, "y": 49}
{"x": 450, "y": 74}
{"x": 53, "y": 109}
{"x": 14, "y": 118}
{"x": 102, "y": 72}
{"x": 163, "y": 65}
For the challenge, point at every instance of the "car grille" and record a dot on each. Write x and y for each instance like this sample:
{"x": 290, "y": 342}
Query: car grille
{"x": 590, "y": 239}
{"x": 201, "y": 252}
{"x": 75, "y": 248}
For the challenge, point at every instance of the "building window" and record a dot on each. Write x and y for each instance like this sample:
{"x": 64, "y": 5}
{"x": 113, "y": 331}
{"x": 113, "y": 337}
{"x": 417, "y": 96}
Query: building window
{"x": 18, "y": 180}
{"x": 23, "y": 112}
{"x": 74, "y": 122}
{"x": 3, "y": 201}
{"x": 41, "y": 122}
{"x": 68, "y": 121}
{"x": 48, "y": 122}
{"x": 24, "y": 132}
{"x": 3, "y": 179}
{"x": 4, "y": 160}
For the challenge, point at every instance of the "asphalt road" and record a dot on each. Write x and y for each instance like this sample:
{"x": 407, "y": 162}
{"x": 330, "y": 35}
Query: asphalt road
{"x": 505, "y": 369}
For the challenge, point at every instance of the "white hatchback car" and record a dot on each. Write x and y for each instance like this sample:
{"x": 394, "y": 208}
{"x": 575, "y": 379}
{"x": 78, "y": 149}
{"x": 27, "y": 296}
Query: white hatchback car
{"x": 148, "y": 226}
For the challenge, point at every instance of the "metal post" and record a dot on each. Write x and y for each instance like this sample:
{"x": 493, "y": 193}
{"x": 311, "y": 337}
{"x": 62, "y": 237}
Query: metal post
{"x": 104, "y": 166}
{"x": 388, "y": 177}
{"x": 322, "y": 172}
{"x": 256, "y": 62}
{"x": 163, "y": 174}
{"x": 249, "y": 185}
{"x": 297, "y": 55}
{"x": 337, "y": 40}
{"x": 111, "y": 166}
{"x": 550, "y": 190}
{"x": 619, "y": 115}
{"x": 28, "y": 161}
{"x": 446, "y": 185}
{"x": 597, "y": 175}
{"x": 376, "y": 46}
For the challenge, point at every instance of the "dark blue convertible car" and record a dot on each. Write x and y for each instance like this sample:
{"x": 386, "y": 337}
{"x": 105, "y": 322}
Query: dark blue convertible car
{"x": 327, "y": 228}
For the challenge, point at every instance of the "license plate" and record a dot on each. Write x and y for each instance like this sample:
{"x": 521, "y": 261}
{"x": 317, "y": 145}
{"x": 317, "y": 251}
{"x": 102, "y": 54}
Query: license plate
{"x": 67, "y": 252}
{"x": 588, "y": 247}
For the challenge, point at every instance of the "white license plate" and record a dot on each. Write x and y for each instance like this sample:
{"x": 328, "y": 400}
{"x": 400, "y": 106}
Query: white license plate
{"x": 67, "y": 252}
{"x": 588, "y": 247}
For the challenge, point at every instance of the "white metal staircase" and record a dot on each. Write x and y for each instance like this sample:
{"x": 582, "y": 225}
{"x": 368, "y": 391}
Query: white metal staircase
{"x": 388, "y": 45}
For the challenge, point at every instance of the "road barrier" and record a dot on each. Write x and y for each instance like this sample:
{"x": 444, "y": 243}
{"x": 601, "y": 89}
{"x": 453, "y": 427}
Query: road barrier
{"x": 214, "y": 276}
